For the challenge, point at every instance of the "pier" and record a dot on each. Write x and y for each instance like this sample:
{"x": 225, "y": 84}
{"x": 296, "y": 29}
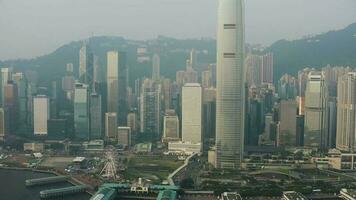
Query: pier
{"x": 46, "y": 180}
{"x": 63, "y": 191}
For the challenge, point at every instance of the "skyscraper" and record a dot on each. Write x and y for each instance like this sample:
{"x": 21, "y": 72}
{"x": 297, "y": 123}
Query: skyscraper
{"x": 346, "y": 116}
{"x": 287, "y": 123}
{"x": 316, "y": 96}
{"x": 170, "y": 126}
{"x": 267, "y": 68}
{"x": 2, "y": 125}
{"x": 81, "y": 112}
{"x": 86, "y": 65}
{"x": 192, "y": 113}
{"x": 95, "y": 117}
{"x": 116, "y": 85}
{"x": 11, "y": 106}
{"x": 156, "y": 63}
{"x": 111, "y": 125}
{"x": 150, "y": 108}
{"x": 230, "y": 84}
{"x": 40, "y": 115}
{"x": 6, "y": 75}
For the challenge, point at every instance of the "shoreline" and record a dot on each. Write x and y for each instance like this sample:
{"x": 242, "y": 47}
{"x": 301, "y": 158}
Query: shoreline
{"x": 72, "y": 180}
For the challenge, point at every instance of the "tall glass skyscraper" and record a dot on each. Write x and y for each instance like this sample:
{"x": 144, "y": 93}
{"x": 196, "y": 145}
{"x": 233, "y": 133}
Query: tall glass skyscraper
{"x": 230, "y": 84}
{"x": 81, "y": 114}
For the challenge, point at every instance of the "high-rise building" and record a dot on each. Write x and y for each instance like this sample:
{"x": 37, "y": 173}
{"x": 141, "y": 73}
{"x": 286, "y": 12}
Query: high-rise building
{"x": 287, "y": 87}
{"x": 346, "y": 116}
{"x": 287, "y": 123}
{"x": 167, "y": 93}
{"x": 254, "y": 122}
{"x": 111, "y": 126}
{"x": 40, "y": 115}
{"x": 6, "y": 75}
{"x": 150, "y": 108}
{"x": 316, "y": 98}
{"x": 116, "y": 85}
{"x": 156, "y": 63}
{"x": 132, "y": 122}
{"x": 267, "y": 68}
{"x": 86, "y": 68}
{"x": 253, "y": 70}
{"x": 206, "y": 79}
{"x": 193, "y": 59}
{"x": 170, "y": 126}
{"x": 23, "y": 115}
{"x": 81, "y": 112}
{"x": 2, "y": 125}
{"x": 11, "y": 105}
{"x": 180, "y": 78}
{"x": 124, "y": 136}
{"x": 192, "y": 113}
{"x": 230, "y": 112}
{"x": 68, "y": 82}
{"x": 209, "y": 110}
{"x": 96, "y": 118}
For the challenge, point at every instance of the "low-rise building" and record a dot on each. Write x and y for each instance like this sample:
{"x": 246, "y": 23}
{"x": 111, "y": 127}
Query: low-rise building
{"x": 348, "y": 194}
{"x": 124, "y": 136}
{"x": 185, "y": 147}
{"x": 34, "y": 147}
{"x": 292, "y": 195}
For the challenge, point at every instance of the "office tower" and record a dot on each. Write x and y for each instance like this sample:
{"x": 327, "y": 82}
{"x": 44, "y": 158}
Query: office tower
{"x": 110, "y": 125}
{"x": 167, "y": 93}
{"x": 156, "y": 63}
{"x": 54, "y": 104}
{"x": 86, "y": 68}
{"x": 253, "y": 70}
{"x": 132, "y": 122}
{"x": 190, "y": 76}
{"x": 287, "y": 87}
{"x": 99, "y": 71}
{"x": 254, "y": 122}
{"x": 150, "y": 108}
{"x": 180, "y": 78}
{"x": 346, "y": 116}
{"x": 300, "y": 130}
{"x": 287, "y": 123}
{"x": 192, "y": 113}
{"x": 230, "y": 112}
{"x": 95, "y": 117}
{"x": 6, "y": 75}
{"x": 41, "y": 114}
{"x": 170, "y": 126}
{"x": 316, "y": 97}
{"x": 81, "y": 112}
{"x": 209, "y": 110}
{"x": 212, "y": 69}
{"x": 267, "y": 68}
{"x": 124, "y": 136}
{"x": 331, "y": 122}
{"x": 267, "y": 129}
{"x": 193, "y": 59}
{"x": 206, "y": 79}
{"x": 23, "y": 115}
{"x": 116, "y": 85}
{"x": 11, "y": 105}
{"x": 302, "y": 81}
{"x": 2, "y": 125}
{"x": 68, "y": 82}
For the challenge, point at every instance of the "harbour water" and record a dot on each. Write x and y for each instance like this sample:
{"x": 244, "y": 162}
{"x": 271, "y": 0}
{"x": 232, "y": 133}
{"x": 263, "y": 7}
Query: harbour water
{"x": 12, "y": 186}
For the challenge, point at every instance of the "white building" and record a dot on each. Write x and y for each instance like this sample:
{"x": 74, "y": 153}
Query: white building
{"x": 192, "y": 113}
{"x": 40, "y": 114}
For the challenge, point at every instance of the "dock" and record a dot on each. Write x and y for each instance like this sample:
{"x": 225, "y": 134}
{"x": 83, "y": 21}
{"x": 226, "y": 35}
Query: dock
{"x": 45, "y": 194}
{"x": 46, "y": 180}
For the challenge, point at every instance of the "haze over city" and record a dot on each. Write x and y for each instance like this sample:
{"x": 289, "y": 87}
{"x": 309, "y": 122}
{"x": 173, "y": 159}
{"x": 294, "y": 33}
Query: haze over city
{"x": 178, "y": 99}
{"x": 37, "y": 27}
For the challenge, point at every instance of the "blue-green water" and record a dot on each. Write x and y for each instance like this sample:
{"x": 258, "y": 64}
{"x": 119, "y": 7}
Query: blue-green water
{"x": 12, "y": 186}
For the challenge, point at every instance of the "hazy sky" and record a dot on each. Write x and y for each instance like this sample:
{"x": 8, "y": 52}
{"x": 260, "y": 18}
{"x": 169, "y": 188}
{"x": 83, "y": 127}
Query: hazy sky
{"x": 31, "y": 28}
